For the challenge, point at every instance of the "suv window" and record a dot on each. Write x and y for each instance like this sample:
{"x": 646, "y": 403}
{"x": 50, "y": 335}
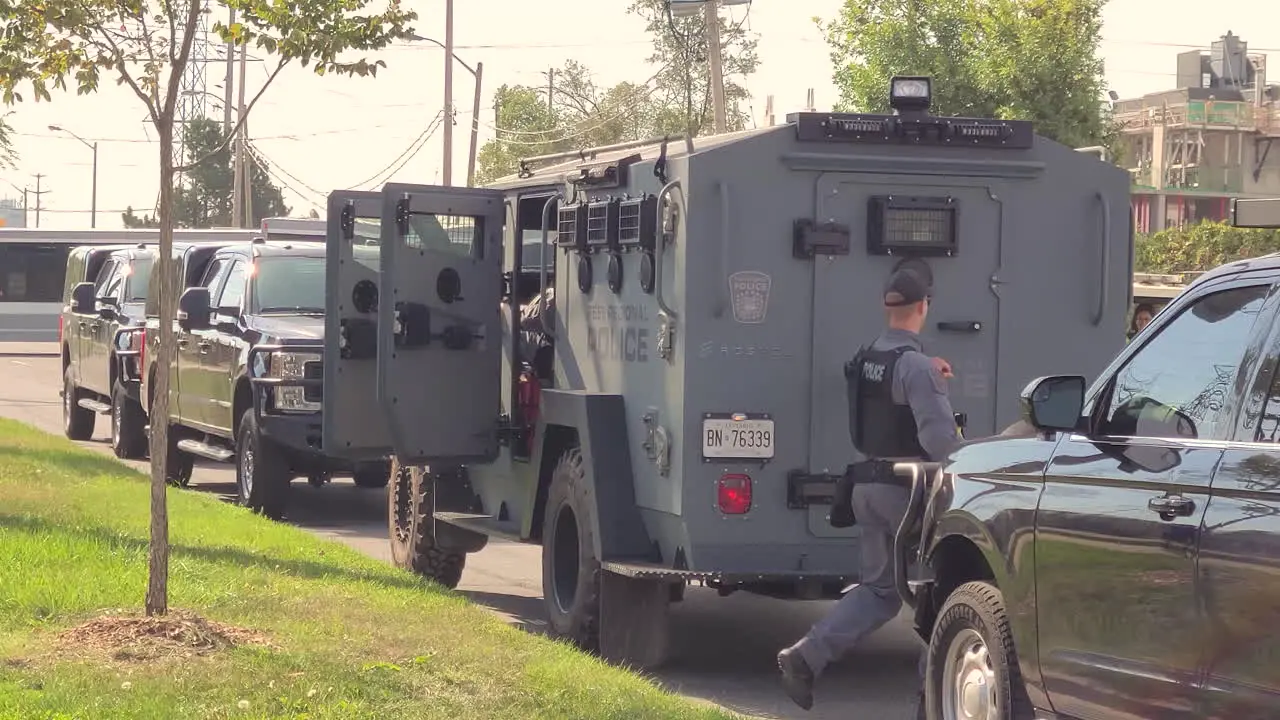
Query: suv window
{"x": 233, "y": 289}
{"x": 213, "y": 276}
{"x": 104, "y": 276}
{"x": 1176, "y": 385}
{"x": 139, "y": 279}
{"x": 113, "y": 283}
{"x": 289, "y": 284}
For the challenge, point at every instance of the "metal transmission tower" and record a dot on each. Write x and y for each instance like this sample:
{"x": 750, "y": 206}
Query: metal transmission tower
{"x": 193, "y": 97}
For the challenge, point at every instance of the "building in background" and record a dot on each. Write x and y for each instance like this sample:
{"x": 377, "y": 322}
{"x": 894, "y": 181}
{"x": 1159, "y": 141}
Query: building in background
{"x": 12, "y": 214}
{"x": 1191, "y": 149}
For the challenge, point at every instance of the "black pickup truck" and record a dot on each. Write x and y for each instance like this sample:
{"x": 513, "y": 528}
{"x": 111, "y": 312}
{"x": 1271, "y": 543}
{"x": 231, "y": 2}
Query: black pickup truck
{"x": 101, "y": 336}
{"x": 250, "y": 336}
{"x": 1117, "y": 556}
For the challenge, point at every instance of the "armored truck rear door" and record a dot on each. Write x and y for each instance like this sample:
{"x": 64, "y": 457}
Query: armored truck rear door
{"x": 949, "y": 228}
{"x": 354, "y": 425}
{"x": 439, "y": 326}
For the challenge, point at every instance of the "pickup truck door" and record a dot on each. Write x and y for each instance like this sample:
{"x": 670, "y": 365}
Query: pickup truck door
{"x": 81, "y": 332}
{"x": 193, "y": 387}
{"x": 97, "y": 371}
{"x": 1240, "y": 559}
{"x": 218, "y": 361}
{"x": 1119, "y": 521}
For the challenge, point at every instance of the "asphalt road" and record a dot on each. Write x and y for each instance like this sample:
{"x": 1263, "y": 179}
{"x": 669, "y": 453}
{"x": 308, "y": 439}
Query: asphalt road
{"x": 724, "y": 647}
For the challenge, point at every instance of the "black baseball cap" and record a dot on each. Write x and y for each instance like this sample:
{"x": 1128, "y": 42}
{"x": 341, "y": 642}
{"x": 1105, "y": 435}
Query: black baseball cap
{"x": 905, "y": 287}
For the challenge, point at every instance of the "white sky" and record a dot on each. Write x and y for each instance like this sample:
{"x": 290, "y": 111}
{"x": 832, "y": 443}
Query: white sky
{"x": 330, "y": 132}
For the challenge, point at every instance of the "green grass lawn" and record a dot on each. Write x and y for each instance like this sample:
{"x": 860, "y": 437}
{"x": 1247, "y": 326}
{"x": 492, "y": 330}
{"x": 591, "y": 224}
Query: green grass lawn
{"x": 326, "y": 632}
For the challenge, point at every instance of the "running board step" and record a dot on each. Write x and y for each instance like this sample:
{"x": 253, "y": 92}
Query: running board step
{"x": 482, "y": 524}
{"x": 204, "y": 450}
{"x": 95, "y": 405}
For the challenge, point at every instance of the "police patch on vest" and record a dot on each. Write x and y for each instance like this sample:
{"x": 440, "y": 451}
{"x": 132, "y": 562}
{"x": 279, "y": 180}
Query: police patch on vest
{"x": 749, "y": 296}
{"x": 873, "y": 372}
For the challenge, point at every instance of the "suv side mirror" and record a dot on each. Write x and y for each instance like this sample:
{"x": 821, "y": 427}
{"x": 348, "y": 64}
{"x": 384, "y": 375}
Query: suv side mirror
{"x": 193, "y": 309}
{"x": 1053, "y": 403}
{"x": 83, "y": 300}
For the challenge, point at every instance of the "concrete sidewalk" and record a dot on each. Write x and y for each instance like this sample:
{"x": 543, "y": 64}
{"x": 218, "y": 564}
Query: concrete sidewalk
{"x": 28, "y": 349}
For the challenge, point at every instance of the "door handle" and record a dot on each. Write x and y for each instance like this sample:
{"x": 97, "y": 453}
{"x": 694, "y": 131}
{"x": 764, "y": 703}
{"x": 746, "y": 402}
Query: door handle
{"x": 204, "y": 348}
{"x": 961, "y": 326}
{"x": 80, "y": 324}
{"x": 95, "y": 326}
{"x": 182, "y": 342}
{"x": 1171, "y": 506}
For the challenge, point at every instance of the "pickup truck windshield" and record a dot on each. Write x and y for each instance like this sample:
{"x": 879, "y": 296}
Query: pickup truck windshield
{"x": 139, "y": 280}
{"x": 289, "y": 285}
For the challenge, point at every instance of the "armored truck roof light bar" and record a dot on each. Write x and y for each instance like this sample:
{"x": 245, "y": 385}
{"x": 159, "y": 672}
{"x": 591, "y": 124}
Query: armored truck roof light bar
{"x": 1256, "y": 213}
{"x": 911, "y": 124}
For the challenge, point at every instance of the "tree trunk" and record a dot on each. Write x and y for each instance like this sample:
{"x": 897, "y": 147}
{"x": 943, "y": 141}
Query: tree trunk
{"x": 157, "y": 602}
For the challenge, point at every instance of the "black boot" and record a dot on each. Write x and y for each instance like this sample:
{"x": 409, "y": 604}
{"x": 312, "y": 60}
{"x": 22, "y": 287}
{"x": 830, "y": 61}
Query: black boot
{"x": 797, "y": 678}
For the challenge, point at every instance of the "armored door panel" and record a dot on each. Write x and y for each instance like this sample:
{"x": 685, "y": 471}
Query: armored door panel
{"x": 439, "y": 331}
{"x": 949, "y": 228}
{"x": 354, "y": 425}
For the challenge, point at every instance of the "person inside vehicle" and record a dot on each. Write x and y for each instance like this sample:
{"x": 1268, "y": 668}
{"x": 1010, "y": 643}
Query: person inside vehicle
{"x": 1142, "y": 315}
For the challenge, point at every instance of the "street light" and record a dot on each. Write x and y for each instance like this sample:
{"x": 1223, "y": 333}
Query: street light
{"x": 93, "y": 207}
{"x": 478, "y": 73}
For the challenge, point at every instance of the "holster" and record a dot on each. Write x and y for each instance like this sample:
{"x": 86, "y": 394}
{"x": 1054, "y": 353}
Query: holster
{"x": 868, "y": 471}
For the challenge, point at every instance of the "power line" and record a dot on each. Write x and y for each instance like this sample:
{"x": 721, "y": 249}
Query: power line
{"x": 641, "y": 92}
{"x": 413, "y": 148}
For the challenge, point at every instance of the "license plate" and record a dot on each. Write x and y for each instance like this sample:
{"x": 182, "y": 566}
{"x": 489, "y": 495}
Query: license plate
{"x": 729, "y": 438}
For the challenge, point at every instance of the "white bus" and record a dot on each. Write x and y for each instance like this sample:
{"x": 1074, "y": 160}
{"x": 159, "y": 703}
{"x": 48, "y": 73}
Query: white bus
{"x": 33, "y": 263}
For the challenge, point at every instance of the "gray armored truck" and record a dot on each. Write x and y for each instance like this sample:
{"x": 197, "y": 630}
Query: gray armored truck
{"x": 687, "y": 421}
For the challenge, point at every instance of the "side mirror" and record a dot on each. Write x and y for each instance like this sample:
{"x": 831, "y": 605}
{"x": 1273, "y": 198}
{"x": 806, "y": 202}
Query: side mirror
{"x": 83, "y": 300}
{"x": 1053, "y": 403}
{"x": 108, "y": 311}
{"x": 193, "y": 309}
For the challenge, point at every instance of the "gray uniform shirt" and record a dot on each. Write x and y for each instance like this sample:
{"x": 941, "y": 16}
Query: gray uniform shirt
{"x": 918, "y": 384}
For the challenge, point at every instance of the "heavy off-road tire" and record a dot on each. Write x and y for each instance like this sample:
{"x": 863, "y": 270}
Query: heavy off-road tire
{"x": 77, "y": 422}
{"x": 262, "y": 471}
{"x": 570, "y": 569}
{"x": 972, "y": 646}
{"x": 410, "y": 503}
{"x": 128, "y": 425}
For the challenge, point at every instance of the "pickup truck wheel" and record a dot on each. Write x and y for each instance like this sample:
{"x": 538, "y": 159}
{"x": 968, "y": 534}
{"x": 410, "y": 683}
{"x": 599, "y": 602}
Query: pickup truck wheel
{"x": 413, "y": 546}
{"x": 77, "y": 422}
{"x": 262, "y": 473}
{"x": 373, "y": 475}
{"x": 570, "y": 569}
{"x": 972, "y": 671}
{"x": 128, "y": 425}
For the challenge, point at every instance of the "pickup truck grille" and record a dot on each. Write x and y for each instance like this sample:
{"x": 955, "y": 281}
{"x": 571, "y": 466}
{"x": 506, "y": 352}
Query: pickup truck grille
{"x": 313, "y": 371}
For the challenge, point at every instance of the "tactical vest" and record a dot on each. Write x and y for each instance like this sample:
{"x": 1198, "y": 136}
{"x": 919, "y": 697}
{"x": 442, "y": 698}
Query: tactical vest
{"x": 879, "y": 427}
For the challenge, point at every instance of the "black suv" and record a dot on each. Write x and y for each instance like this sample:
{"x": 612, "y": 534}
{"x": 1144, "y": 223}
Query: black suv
{"x": 245, "y": 384}
{"x": 101, "y": 343}
{"x": 1118, "y": 556}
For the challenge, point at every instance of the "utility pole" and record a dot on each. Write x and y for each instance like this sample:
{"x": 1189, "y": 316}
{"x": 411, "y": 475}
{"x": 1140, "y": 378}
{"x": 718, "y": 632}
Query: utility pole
{"x": 475, "y": 128}
{"x": 551, "y": 90}
{"x": 38, "y": 192}
{"x": 711, "y": 13}
{"x": 230, "y": 80}
{"x": 448, "y": 93}
{"x": 238, "y": 191}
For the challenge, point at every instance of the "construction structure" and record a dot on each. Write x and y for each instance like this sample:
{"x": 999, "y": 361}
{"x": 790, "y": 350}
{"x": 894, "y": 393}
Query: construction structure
{"x": 1192, "y": 149}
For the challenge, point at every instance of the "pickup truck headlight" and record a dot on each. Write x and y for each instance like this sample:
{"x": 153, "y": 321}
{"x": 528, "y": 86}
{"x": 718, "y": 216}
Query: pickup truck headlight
{"x": 291, "y": 366}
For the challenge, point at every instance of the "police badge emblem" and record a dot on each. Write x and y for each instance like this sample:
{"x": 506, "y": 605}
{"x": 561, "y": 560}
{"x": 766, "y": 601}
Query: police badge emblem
{"x": 749, "y": 296}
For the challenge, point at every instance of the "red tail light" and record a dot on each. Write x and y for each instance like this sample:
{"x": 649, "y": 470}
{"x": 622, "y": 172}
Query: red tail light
{"x": 733, "y": 494}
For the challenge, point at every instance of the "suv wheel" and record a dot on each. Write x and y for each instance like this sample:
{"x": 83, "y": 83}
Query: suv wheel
{"x": 262, "y": 471}
{"x": 972, "y": 669}
{"x": 77, "y": 422}
{"x": 570, "y": 569}
{"x": 413, "y": 545}
{"x": 128, "y": 425}
{"x": 373, "y": 475}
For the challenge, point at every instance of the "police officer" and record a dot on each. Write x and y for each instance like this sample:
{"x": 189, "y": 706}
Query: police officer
{"x": 899, "y": 411}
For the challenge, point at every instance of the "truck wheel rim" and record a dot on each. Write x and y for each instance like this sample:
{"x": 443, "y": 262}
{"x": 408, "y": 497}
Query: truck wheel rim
{"x": 115, "y": 426}
{"x": 564, "y": 559}
{"x": 246, "y": 472}
{"x": 66, "y": 405}
{"x": 969, "y": 680}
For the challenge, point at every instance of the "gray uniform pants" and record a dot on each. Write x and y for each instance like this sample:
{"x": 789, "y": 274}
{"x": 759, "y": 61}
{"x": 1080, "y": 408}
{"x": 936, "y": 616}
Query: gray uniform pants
{"x": 874, "y": 601}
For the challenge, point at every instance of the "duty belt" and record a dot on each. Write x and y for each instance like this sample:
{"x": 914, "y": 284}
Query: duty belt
{"x": 868, "y": 472}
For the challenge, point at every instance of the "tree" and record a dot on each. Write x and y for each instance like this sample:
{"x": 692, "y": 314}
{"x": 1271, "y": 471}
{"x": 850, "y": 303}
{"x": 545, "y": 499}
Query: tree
{"x": 1201, "y": 247}
{"x": 1014, "y": 59}
{"x": 146, "y": 46}
{"x": 205, "y": 200}
{"x": 684, "y": 77}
